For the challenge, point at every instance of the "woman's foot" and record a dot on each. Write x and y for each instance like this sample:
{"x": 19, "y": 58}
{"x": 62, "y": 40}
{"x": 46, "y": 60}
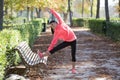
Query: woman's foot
{"x": 40, "y": 54}
{"x": 74, "y": 71}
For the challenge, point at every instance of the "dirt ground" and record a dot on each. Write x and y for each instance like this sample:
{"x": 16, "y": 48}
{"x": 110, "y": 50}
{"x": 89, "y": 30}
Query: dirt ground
{"x": 98, "y": 58}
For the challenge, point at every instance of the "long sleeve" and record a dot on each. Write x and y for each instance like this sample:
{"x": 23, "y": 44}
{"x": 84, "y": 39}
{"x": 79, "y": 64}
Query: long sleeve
{"x": 54, "y": 41}
{"x": 60, "y": 20}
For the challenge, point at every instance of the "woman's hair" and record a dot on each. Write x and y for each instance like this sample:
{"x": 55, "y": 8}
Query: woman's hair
{"x": 53, "y": 21}
{"x": 52, "y": 31}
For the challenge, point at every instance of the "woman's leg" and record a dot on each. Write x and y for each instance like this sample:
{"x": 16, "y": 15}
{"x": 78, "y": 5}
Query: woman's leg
{"x": 63, "y": 45}
{"x": 73, "y": 51}
{"x": 73, "y": 54}
{"x": 60, "y": 46}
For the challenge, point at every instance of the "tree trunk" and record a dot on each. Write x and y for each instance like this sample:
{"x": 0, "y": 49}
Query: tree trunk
{"x": 28, "y": 13}
{"x": 119, "y": 8}
{"x": 107, "y": 16}
{"x": 82, "y": 8}
{"x": 11, "y": 10}
{"x": 32, "y": 13}
{"x": 91, "y": 15}
{"x": 6, "y": 10}
{"x": 38, "y": 10}
{"x": 65, "y": 16}
{"x": 98, "y": 8}
{"x": 1, "y": 14}
{"x": 107, "y": 11}
{"x": 70, "y": 13}
{"x": 19, "y": 13}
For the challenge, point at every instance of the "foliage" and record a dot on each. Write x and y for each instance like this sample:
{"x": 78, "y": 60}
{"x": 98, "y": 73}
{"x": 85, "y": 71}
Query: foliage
{"x": 114, "y": 31}
{"x": 8, "y": 40}
{"x": 10, "y": 37}
{"x": 81, "y": 22}
{"x": 99, "y": 26}
{"x": 118, "y": 7}
{"x": 78, "y": 22}
{"x": 87, "y": 4}
{"x": 115, "y": 20}
{"x": 29, "y": 31}
{"x": 22, "y": 4}
{"x": 10, "y": 21}
{"x": 33, "y": 6}
{"x": 96, "y": 25}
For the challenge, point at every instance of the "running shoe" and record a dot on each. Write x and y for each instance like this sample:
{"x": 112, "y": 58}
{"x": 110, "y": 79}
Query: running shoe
{"x": 40, "y": 54}
{"x": 74, "y": 71}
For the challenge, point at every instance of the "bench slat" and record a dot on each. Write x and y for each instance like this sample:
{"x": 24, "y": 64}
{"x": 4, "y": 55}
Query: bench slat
{"x": 29, "y": 57}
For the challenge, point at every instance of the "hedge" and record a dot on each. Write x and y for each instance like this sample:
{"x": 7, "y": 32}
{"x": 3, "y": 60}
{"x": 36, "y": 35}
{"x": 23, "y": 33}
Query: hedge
{"x": 114, "y": 31}
{"x": 96, "y": 25}
{"x": 10, "y": 37}
{"x": 79, "y": 22}
{"x": 99, "y": 26}
{"x": 8, "y": 40}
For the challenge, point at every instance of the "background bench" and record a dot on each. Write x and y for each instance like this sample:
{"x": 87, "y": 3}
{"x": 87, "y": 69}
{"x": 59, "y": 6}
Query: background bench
{"x": 30, "y": 59}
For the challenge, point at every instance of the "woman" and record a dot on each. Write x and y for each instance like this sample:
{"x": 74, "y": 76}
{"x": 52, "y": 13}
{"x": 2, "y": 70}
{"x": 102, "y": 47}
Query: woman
{"x": 63, "y": 32}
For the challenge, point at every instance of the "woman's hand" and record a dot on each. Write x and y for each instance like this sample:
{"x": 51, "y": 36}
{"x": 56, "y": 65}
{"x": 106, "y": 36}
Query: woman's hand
{"x": 47, "y": 9}
{"x": 47, "y": 52}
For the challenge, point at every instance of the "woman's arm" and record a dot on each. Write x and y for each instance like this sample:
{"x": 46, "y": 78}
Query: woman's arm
{"x": 54, "y": 41}
{"x": 60, "y": 20}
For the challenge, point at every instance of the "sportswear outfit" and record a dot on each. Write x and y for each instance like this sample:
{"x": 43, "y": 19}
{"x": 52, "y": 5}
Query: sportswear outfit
{"x": 63, "y": 32}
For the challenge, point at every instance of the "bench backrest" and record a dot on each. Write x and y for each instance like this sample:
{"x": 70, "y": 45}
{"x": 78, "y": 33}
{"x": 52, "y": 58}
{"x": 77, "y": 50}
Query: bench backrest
{"x": 29, "y": 57}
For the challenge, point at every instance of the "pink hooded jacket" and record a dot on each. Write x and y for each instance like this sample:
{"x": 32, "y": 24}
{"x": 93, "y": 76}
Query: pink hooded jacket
{"x": 62, "y": 31}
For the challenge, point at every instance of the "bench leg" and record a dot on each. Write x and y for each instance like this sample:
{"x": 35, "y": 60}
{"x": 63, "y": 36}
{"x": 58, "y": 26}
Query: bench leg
{"x": 42, "y": 70}
{"x": 37, "y": 71}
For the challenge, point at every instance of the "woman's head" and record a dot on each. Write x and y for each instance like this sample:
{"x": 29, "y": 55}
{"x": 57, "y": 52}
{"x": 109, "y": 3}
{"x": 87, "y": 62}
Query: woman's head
{"x": 53, "y": 23}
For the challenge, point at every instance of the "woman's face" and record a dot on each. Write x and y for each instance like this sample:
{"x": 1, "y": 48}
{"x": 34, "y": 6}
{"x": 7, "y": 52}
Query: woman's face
{"x": 53, "y": 25}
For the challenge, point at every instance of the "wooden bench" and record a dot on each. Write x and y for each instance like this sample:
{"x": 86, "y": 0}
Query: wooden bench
{"x": 30, "y": 59}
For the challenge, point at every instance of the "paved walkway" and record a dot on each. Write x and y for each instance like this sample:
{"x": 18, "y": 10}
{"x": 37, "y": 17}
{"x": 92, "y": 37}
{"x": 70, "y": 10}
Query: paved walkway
{"x": 97, "y": 58}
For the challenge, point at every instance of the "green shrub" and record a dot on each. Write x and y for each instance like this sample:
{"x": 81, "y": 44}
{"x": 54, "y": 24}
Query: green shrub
{"x": 96, "y": 25}
{"x": 114, "y": 31}
{"x": 86, "y": 23}
{"x": 8, "y": 40}
{"x": 10, "y": 37}
{"x": 78, "y": 22}
{"x": 115, "y": 20}
{"x": 10, "y": 21}
{"x": 29, "y": 31}
{"x": 99, "y": 26}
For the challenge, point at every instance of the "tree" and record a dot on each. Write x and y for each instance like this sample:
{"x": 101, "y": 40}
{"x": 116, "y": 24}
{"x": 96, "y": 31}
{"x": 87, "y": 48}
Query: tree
{"x": 85, "y": 7}
{"x": 119, "y": 9}
{"x": 10, "y": 5}
{"x": 82, "y": 7}
{"x": 63, "y": 8}
{"x": 107, "y": 11}
{"x": 70, "y": 12}
{"x": 1, "y": 14}
{"x": 91, "y": 8}
{"x": 98, "y": 9}
{"x": 117, "y": 6}
{"x": 107, "y": 16}
{"x": 37, "y": 5}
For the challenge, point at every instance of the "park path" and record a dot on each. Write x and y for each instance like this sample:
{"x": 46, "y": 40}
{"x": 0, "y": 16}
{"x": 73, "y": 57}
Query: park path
{"x": 97, "y": 58}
